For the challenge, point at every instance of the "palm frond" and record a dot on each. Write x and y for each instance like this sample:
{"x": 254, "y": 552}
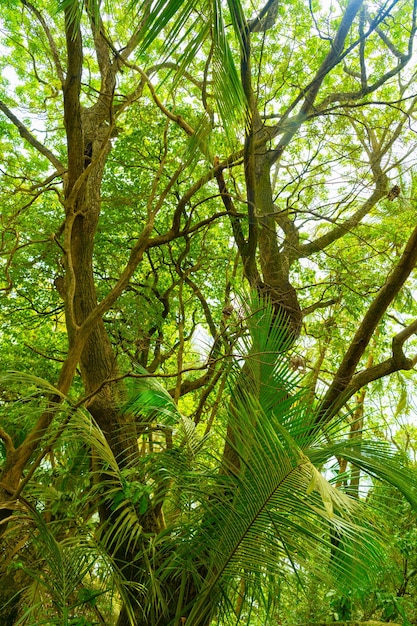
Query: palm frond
{"x": 279, "y": 512}
{"x": 377, "y": 459}
{"x": 186, "y": 30}
{"x": 60, "y": 570}
{"x": 267, "y": 374}
{"x": 275, "y": 516}
{"x": 74, "y": 10}
{"x": 150, "y": 400}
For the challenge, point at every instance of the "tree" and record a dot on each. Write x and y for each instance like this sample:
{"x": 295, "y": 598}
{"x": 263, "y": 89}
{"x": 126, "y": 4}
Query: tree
{"x": 162, "y": 143}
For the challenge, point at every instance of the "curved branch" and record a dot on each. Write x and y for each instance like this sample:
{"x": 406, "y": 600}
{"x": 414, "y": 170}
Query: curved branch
{"x": 403, "y": 59}
{"x": 321, "y": 304}
{"x": 178, "y": 119}
{"x": 348, "y": 96}
{"x": 8, "y": 441}
{"x": 398, "y": 361}
{"x": 290, "y": 126}
{"x": 339, "y": 231}
{"x": 52, "y": 44}
{"x": 31, "y": 139}
{"x": 266, "y": 17}
{"x": 172, "y": 234}
{"x": 334, "y": 55}
{"x": 390, "y": 45}
{"x": 204, "y": 304}
{"x": 336, "y": 393}
{"x": 170, "y": 65}
{"x": 310, "y": 92}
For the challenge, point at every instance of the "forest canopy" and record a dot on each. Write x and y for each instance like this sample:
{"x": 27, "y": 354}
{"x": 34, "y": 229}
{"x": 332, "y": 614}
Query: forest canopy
{"x": 207, "y": 323}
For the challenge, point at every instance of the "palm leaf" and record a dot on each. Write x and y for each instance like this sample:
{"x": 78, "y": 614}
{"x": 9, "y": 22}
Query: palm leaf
{"x": 377, "y": 459}
{"x": 186, "y": 31}
{"x": 62, "y": 567}
{"x": 150, "y": 400}
{"x": 279, "y": 510}
{"x": 282, "y": 512}
{"x": 74, "y": 10}
{"x": 276, "y": 515}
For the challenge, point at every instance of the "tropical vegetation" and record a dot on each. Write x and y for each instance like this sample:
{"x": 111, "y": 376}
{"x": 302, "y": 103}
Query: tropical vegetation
{"x": 207, "y": 323}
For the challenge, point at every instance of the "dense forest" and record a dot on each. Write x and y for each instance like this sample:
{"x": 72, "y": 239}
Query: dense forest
{"x": 208, "y": 321}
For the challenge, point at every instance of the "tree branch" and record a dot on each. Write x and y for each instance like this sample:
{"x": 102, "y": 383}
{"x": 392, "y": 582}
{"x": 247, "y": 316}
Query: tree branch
{"x": 348, "y": 96}
{"x": 231, "y": 210}
{"x": 266, "y": 17}
{"x": 290, "y": 126}
{"x": 339, "y": 231}
{"x": 336, "y": 393}
{"x": 391, "y": 47}
{"x": 31, "y": 139}
{"x": 321, "y": 304}
{"x": 72, "y": 107}
{"x": 398, "y": 361}
{"x": 8, "y": 441}
{"x": 52, "y": 44}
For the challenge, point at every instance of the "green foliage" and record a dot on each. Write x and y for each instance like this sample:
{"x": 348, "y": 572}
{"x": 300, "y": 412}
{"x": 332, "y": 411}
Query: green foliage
{"x": 277, "y": 515}
{"x": 185, "y": 474}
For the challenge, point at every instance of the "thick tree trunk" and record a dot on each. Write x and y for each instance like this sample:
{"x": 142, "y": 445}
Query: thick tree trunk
{"x": 98, "y": 362}
{"x": 88, "y": 148}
